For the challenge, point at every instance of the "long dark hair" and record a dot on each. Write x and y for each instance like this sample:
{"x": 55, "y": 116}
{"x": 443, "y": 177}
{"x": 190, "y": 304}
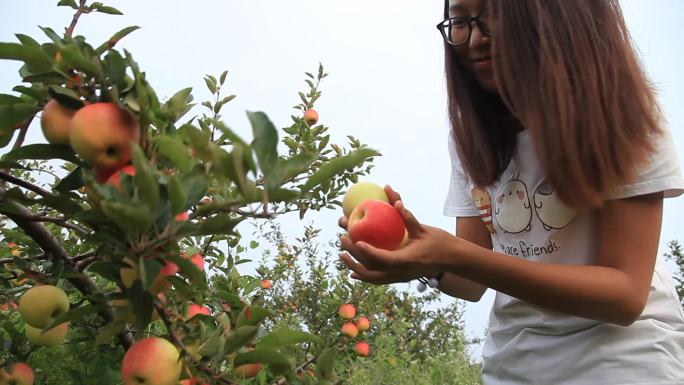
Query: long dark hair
{"x": 567, "y": 71}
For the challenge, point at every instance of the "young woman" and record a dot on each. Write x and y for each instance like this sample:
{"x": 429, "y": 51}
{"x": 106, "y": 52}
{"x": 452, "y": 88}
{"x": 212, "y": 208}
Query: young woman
{"x": 560, "y": 165}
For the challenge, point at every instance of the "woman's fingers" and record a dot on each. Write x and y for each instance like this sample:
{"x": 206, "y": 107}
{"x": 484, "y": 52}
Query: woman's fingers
{"x": 392, "y": 195}
{"x": 413, "y": 227}
{"x": 342, "y": 222}
{"x": 362, "y": 273}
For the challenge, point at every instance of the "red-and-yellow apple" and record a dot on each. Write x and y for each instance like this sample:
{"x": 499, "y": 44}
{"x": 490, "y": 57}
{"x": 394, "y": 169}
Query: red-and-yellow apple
{"x": 350, "y": 329}
{"x": 56, "y": 122}
{"x": 101, "y": 133}
{"x": 311, "y": 116}
{"x": 7, "y": 306}
{"x": 363, "y": 323}
{"x": 346, "y": 311}
{"x": 114, "y": 179}
{"x": 182, "y": 217}
{"x": 198, "y": 260}
{"x": 248, "y": 370}
{"x": 362, "y": 348}
{"x": 17, "y": 374}
{"x": 376, "y": 223}
{"x": 46, "y": 338}
{"x": 265, "y": 284}
{"x": 151, "y": 361}
{"x": 359, "y": 193}
{"x": 194, "y": 309}
{"x": 160, "y": 284}
{"x": 40, "y": 305}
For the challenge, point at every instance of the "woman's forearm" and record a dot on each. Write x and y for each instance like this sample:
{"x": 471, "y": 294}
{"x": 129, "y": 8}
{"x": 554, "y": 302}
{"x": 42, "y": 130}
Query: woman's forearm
{"x": 596, "y": 292}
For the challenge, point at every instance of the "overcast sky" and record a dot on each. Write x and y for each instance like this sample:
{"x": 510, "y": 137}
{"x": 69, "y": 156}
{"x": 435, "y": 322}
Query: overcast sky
{"x": 386, "y": 83}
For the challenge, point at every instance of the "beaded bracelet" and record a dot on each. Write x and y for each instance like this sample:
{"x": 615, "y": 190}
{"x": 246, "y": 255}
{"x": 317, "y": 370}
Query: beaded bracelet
{"x": 423, "y": 282}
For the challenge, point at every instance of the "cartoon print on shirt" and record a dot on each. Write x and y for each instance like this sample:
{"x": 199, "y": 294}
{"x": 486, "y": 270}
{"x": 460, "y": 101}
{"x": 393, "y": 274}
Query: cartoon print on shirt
{"x": 550, "y": 209}
{"x": 513, "y": 212}
{"x": 484, "y": 206}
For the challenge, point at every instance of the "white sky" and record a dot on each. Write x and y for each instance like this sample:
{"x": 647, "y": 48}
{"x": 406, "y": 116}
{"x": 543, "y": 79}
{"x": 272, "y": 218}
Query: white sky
{"x": 385, "y": 86}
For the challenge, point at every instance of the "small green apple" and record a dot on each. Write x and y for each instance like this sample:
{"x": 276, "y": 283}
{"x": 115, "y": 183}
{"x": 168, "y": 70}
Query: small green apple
{"x": 359, "y": 193}
{"x": 40, "y": 305}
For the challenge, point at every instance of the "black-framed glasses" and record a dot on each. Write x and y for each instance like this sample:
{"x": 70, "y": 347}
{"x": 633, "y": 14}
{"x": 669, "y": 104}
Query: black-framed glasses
{"x": 457, "y": 30}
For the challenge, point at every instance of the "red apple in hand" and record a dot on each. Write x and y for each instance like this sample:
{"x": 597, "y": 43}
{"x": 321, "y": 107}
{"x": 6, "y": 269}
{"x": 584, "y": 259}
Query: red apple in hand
{"x": 376, "y": 223}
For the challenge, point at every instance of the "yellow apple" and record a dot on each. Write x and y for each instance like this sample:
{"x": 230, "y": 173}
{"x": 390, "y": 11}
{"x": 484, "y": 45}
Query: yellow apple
{"x": 40, "y": 305}
{"x": 46, "y": 338}
{"x": 359, "y": 193}
{"x": 56, "y": 122}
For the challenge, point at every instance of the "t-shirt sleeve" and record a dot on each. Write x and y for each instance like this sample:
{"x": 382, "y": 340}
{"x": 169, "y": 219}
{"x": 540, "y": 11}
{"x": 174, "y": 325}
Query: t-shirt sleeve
{"x": 458, "y": 202}
{"x": 661, "y": 173}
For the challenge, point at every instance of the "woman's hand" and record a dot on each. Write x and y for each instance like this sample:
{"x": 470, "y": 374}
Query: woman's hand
{"x": 425, "y": 255}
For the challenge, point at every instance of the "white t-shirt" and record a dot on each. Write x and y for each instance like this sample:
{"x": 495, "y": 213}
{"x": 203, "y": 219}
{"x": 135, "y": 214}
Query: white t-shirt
{"x": 532, "y": 346}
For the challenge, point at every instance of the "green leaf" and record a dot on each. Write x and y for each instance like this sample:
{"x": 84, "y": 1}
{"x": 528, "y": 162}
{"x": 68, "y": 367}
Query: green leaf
{"x": 108, "y": 10}
{"x": 145, "y": 177}
{"x": 68, "y": 3}
{"x": 240, "y": 337}
{"x": 111, "y": 42}
{"x": 27, "y": 40}
{"x": 251, "y": 315}
{"x": 223, "y": 77}
{"x": 72, "y": 58}
{"x": 11, "y": 117}
{"x": 287, "y": 337}
{"x": 75, "y": 314}
{"x": 211, "y": 85}
{"x": 277, "y": 362}
{"x": 325, "y": 364}
{"x": 265, "y": 141}
{"x": 37, "y": 92}
{"x": 178, "y": 105}
{"x": 114, "y": 67}
{"x": 11, "y": 164}
{"x": 177, "y": 196}
{"x": 148, "y": 271}
{"x": 71, "y": 182}
{"x": 337, "y": 166}
{"x": 286, "y": 169}
{"x": 34, "y": 58}
{"x": 107, "y": 270}
{"x": 42, "y": 151}
{"x": 142, "y": 302}
{"x": 50, "y": 33}
{"x": 175, "y": 151}
{"x": 108, "y": 331}
{"x": 66, "y": 97}
{"x": 219, "y": 224}
{"x": 129, "y": 218}
{"x": 61, "y": 203}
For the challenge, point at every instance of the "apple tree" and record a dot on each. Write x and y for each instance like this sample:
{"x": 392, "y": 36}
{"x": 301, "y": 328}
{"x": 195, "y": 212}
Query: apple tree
{"x": 133, "y": 208}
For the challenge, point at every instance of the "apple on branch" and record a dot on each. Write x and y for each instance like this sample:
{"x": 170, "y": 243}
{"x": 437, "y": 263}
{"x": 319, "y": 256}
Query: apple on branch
{"x": 151, "y": 361}
{"x": 362, "y": 348}
{"x": 363, "y": 323}
{"x": 346, "y": 311}
{"x": 101, "y": 133}
{"x": 56, "y": 122}
{"x": 47, "y": 338}
{"x": 311, "y": 116}
{"x": 160, "y": 283}
{"x": 17, "y": 374}
{"x": 40, "y": 305}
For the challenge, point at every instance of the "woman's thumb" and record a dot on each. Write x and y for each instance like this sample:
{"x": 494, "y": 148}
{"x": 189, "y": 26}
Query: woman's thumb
{"x": 412, "y": 225}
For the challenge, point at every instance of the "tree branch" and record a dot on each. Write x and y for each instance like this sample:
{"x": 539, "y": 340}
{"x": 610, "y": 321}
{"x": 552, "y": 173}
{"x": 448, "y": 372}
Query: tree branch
{"x": 22, "y": 183}
{"x": 79, "y": 12}
{"x": 56, "y": 220}
{"x": 40, "y": 234}
{"x": 177, "y": 340}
